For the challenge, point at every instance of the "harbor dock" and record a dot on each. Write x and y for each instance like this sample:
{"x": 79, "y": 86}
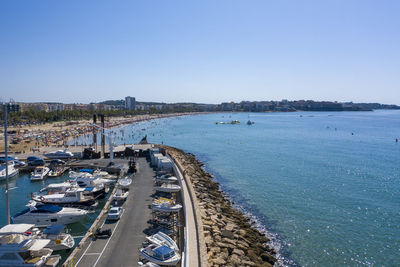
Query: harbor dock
{"x": 121, "y": 249}
{"x": 129, "y": 232}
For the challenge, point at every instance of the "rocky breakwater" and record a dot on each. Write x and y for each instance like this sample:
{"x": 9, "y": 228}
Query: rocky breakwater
{"x": 228, "y": 235}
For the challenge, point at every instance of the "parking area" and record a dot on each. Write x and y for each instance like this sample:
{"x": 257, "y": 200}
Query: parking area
{"x": 121, "y": 249}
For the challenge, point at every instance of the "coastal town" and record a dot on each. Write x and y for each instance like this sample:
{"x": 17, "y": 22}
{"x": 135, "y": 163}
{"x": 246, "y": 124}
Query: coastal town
{"x": 191, "y": 222}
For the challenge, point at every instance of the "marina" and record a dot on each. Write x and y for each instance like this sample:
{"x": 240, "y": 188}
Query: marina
{"x": 140, "y": 211}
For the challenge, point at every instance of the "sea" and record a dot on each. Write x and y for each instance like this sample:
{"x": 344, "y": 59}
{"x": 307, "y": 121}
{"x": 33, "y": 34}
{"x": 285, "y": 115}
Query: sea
{"x": 323, "y": 186}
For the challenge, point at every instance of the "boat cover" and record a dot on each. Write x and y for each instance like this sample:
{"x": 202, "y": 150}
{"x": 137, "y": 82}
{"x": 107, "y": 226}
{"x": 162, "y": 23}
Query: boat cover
{"x": 19, "y": 228}
{"x": 86, "y": 170}
{"x": 39, "y": 244}
{"x": 163, "y": 252}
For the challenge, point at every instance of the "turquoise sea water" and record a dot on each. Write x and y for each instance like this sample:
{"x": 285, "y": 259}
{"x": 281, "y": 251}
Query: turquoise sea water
{"x": 326, "y": 185}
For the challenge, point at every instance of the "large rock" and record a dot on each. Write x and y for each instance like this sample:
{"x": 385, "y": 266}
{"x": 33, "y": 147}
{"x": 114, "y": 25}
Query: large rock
{"x": 227, "y": 234}
{"x": 238, "y": 252}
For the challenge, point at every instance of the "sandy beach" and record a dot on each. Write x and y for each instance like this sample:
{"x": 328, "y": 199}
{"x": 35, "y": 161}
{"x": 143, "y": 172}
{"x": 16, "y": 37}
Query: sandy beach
{"x": 31, "y": 138}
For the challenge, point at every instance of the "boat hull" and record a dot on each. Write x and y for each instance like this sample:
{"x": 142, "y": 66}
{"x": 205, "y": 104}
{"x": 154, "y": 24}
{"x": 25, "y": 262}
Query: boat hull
{"x": 48, "y": 219}
{"x": 170, "y": 262}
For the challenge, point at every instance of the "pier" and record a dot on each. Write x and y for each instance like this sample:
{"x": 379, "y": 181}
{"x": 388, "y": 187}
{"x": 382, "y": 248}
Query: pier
{"x": 121, "y": 249}
{"x": 128, "y": 233}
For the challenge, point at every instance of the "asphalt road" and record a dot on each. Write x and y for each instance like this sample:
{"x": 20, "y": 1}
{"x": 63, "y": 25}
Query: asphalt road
{"x": 122, "y": 248}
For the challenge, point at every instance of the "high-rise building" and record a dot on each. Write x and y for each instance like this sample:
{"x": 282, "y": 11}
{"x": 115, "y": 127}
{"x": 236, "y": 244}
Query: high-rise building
{"x": 130, "y": 103}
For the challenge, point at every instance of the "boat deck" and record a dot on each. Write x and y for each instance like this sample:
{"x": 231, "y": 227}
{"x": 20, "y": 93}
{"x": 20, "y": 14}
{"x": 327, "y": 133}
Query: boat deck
{"x": 121, "y": 249}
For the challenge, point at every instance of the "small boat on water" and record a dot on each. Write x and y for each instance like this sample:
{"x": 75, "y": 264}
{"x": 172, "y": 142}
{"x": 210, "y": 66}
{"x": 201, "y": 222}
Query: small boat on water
{"x": 98, "y": 191}
{"x": 59, "y": 239}
{"x": 59, "y": 154}
{"x": 168, "y": 188}
{"x": 249, "y": 122}
{"x": 20, "y": 248}
{"x": 161, "y": 239}
{"x": 167, "y": 179}
{"x": 39, "y": 173}
{"x": 72, "y": 196}
{"x": 120, "y": 195}
{"x": 125, "y": 183}
{"x": 161, "y": 255}
{"x": 44, "y": 215}
{"x": 57, "y": 171}
{"x": 12, "y": 171}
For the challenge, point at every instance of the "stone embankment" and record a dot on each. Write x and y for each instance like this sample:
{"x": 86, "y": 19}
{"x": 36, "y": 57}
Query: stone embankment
{"x": 228, "y": 235}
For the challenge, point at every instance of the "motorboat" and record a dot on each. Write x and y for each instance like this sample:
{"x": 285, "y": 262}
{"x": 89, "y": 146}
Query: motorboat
{"x": 43, "y": 215}
{"x": 249, "y": 122}
{"x": 57, "y": 171}
{"x": 59, "y": 239}
{"x": 12, "y": 171}
{"x": 72, "y": 196}
{"x": 59, "y": 154}
{"x": 169, "y": 188}
{"x": 97, "y": 191}
{"x": 161, "y": 255}
{"x": 39, "y": 173}
{"x": 25, "y": 249}
{"x": 84, "y": 179}
{"x": 165, "y": 207}
{"x": 167, "y": 179}
{"x": 125, "y": 183}
{"x": 120, "y": 195}
{"x": 161, "y": 238}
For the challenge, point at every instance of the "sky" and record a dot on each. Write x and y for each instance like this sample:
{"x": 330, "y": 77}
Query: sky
{"x": 207, "y": 51}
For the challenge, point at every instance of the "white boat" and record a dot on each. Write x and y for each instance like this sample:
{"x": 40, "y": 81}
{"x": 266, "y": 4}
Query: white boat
{"x": 120, "y": 195}
{"x": 168, "y": 179}
{"x": 12, "y": 171}
{"x": 72, "y": 196}
{"x": 169, "y": 188}
{"x": 45, "y": 215}
{"x": 161, "y": 239}
{"x": 165, "y": 207}
{"x": 59, "y": 239}
{"x": 161, "y": 255}
{"x": 59, "y": 154}
{"x": 147, "y": 264}
{"x": 22, "y": 250}
{"x": 125, "y": 183}
{"x": 58, "y": 171}
{"x": 97, "y": 191}
{"x": 85, "y": 179}
{"x": 39, "y": 173}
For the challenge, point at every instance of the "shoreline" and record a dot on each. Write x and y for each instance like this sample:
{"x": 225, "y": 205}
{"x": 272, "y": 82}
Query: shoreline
{"x": 230, "y": 238}
{"x": 31, "y": 138}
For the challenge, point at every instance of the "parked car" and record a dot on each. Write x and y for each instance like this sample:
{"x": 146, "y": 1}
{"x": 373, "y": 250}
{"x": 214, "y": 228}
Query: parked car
{"x": 57, "y": 162}
{"x": 10, "y": 158}
{"x": 32, "y": 158}
{"x": 37, "y": 162}
{"x": 19, "y": 163}
{"x": 115, "y": 213}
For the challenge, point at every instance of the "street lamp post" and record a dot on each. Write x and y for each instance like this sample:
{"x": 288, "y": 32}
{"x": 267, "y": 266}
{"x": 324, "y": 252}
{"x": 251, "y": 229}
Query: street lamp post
{"x": 6, "y": 157}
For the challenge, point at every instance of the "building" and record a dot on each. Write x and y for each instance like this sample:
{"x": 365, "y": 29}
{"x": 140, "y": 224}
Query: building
{"x": 130, "y": 103}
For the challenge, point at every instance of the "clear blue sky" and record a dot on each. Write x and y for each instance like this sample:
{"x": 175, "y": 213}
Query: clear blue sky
{"x": 200, "y": 51}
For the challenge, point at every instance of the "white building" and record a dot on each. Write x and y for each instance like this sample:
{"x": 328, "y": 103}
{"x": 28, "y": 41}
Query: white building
{"x": 130, "y": 103}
